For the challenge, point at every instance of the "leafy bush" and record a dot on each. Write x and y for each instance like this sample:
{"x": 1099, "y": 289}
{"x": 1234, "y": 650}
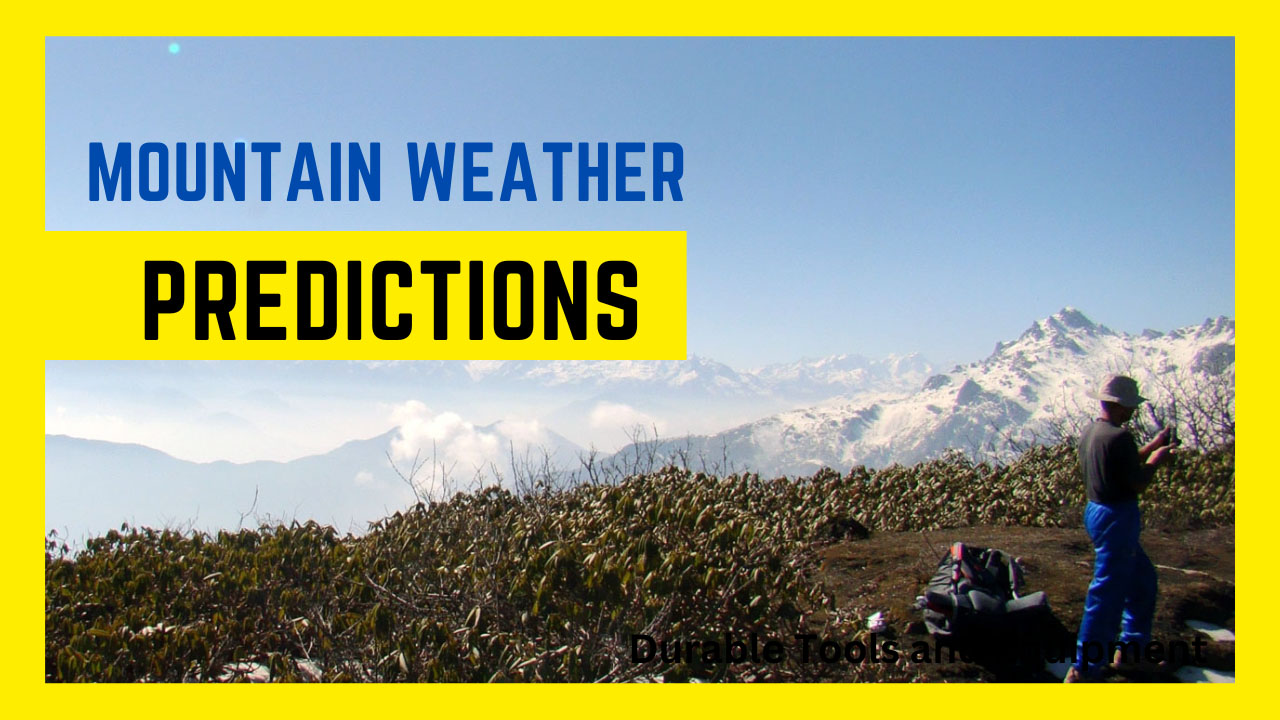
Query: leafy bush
{"x": 492, "y": 586}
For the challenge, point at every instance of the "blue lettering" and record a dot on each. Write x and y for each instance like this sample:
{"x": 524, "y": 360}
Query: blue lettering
{"x": 557, "y": 150}
{"x": 227, "y": 173}
{"x": 586, "y": 171}
{"x": 518, "y": 159}
{"x": 625, "y": 171}
{"x": 161, "y": 151}
{"x": 305, "y": 159}
{"x": 470, "y": 172}
{"x": 265, "y": 150}
{"x": 119, "y": 175}
{"x": 670, "y": 177}
{"x": 335, "y": 171}
{"x": 369, "y": 173}
{"x": 420, "y": 175}
{"x": 183, "y": 192}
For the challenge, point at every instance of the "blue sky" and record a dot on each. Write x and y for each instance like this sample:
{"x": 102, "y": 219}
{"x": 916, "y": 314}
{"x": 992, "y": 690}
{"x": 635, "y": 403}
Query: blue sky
{"x": 872, "y": 196}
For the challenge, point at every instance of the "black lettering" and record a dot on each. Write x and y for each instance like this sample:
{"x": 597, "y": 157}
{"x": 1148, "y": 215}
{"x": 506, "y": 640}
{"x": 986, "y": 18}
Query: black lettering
{"x": 328, "y": 326}
{"x": 855, "y": 652}
{"x": 1054, "y": 653}
{"x": 711, "y": 652}
{"x": 404, "y": 278}
{"x": 669, "y": 657}
{"x": 1093, "y": 651}
{"x": 607, "y": 296}
{"x": 476, "y": 297}
{"x": 556, "y": 295}
{"x": 920, "y": 652}
{"x": 890, "y": 651}
{"x": 501, "y": 273}
{"x": 1130, "y": 652}
{"x": 220, "y": 308}
{"x": 440, "y": 270}
{"x": 774, "y": 652}
{"x": 354, "y": 322}
{"x": 256, "y": 299}
{"x": 939, "y": 645}
{"x": 152, "y": 304}
{"x": 805, "y": 639}
{"x": 642, "y": 653}
{"x": 1155, "y": 651}
{"x": 829, "y": 651}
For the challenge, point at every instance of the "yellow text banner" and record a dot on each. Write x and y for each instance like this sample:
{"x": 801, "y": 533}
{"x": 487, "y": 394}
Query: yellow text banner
{"x": 582, "y": 295}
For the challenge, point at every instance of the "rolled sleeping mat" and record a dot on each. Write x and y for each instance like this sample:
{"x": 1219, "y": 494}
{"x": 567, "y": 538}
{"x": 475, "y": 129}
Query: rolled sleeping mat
{"x": 1033, "y": 601}
{"x": 985, "y": 602}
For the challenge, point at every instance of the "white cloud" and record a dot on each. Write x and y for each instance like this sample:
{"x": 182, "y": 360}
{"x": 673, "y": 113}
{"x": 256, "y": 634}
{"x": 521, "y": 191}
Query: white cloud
{"x": 619, "y": 416}
{"x": 443, "y": 438}
{"x": 523, "y": 432}
{"x": 364, "y": 478}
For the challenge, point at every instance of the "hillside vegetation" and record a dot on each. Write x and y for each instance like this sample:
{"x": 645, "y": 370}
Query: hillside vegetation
{"x": 549, "y": 585}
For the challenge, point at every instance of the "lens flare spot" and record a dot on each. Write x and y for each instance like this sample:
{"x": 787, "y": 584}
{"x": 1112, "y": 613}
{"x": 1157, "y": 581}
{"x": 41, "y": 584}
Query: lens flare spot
{"x": 174, "y": 48}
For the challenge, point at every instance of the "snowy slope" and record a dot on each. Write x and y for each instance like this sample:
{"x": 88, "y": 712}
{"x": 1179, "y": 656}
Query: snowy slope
{"x": 1029, "y": 390}
{"x": 823, "y": 376}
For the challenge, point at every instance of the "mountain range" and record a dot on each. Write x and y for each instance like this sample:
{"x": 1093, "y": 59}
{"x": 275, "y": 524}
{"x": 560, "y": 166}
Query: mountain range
{"x": 1028, "y": 391}
{"x": 837, "y": 411}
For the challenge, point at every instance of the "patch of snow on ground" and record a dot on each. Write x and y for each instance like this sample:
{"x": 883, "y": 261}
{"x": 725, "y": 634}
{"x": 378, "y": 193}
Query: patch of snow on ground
{"x": 1216, "y": 633}
{"x": 1193, "y": 674}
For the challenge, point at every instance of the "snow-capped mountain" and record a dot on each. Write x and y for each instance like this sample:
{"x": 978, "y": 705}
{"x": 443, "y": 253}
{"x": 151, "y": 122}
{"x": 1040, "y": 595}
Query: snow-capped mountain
{"x": 696, "y": 374}
{"x": 844, "y": 374}
{"x": 1029, "y": 390}
{"x": 249, "y": 410}
{"x": 823, "y": 377}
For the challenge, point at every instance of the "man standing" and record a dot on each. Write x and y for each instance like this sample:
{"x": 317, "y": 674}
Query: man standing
{"x": 1122, "y": 595}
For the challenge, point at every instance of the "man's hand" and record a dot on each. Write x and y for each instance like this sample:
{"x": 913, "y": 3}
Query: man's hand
{"x": 1150, "y": 462}
{"x": 1162, "y": 441}
{"x": 1159, "y": 456}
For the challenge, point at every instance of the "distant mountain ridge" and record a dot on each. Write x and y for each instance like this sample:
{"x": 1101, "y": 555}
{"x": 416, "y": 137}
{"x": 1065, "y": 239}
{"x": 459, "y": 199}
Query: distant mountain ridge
{"x": 1008, "y": 400}
{"x": 842, "y": 373}
{"x": 852, "y": 410}
{"x": 93, "y": 485}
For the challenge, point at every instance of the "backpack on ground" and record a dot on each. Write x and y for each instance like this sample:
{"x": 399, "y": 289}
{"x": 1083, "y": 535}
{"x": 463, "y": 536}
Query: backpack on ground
{"x": 978, "y": 590}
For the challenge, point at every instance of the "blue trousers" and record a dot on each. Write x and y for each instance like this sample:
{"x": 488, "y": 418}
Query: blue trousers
{"x": 1122, "y": 595}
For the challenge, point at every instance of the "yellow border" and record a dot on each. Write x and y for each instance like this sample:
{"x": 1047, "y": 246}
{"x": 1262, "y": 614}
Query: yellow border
{"x": 22, "y": 189}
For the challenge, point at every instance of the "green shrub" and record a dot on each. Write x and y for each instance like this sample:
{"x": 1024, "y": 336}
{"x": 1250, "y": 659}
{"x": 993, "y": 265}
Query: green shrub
{"x": 491, "y": 586}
